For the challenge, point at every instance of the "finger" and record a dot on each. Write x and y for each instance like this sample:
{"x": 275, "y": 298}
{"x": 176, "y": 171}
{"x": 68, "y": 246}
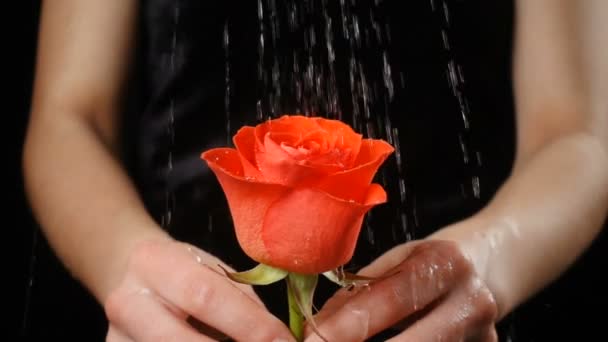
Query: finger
{"x": 332, "y": 305}
{"x": 208, "y": 296}
{"x": 467, "y": 314}
{"x": 142, "y": 317}
{"x": 115, "y": 335}
{"x": 213, "y": 263}
{"x": 386, "y": 263}
{"x": 426, "y": 275}
{"x": 391, "y": 259}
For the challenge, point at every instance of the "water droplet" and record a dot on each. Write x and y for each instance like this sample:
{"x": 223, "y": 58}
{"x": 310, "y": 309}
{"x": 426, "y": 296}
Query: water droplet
{"x": 414, "y": 289}
{"x": 476, "y": 188}
{"x": 388, "y": 80}
{"x": 260, "y": 10}
{"x": 402, "y": 190}
{"x": 293, "y": 16}
{"x": 144, "y": 291}
{"x": 356, "y": 32}
{"x": 463, "y": 148}
{"x": 396, "y": 145}
{"x": 446, "y": 13}
{"x": 361, "y": 320}
{"x": 446, "y": 42}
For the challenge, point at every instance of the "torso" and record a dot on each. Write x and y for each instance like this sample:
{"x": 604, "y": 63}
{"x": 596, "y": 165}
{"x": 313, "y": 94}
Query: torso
{"x": 454, "y": 137}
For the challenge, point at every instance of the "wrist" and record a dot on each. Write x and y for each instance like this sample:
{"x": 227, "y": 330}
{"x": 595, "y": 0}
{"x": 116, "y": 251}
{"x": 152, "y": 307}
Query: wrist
{"x": 483, "y": 241}
{"x": 119, "y": 254}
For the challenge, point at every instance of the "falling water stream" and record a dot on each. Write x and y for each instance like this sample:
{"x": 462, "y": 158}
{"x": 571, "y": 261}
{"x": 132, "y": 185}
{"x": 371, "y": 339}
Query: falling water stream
{"x": 333, "y": 59}
{"x": 456, "y": 80}
{"x": 299, "y": 68}
{"x": 166, "y": 218}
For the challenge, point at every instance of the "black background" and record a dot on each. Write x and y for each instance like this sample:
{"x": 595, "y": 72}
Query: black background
{"x": 44, "y": 302}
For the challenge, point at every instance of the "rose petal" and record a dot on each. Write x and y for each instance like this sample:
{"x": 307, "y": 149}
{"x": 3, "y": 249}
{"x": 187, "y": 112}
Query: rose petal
{"x": 297, "y": 150}
{"x": 289, "y": 138}
{"x": 248, "y": 200}
{"x": 279, "y": 167}
{"x": 344, "y": 135}
{"x": 276, "y": 164}
{"x": 310, "y": 232}
{"x": 286, "y": 124}
{"x": 226, "y": 159}
{"x": 244, "y": 140}
{"x": 352, "y": 184}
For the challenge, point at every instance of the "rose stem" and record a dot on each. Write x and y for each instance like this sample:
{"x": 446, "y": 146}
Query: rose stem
{"x": 296, "y": 319}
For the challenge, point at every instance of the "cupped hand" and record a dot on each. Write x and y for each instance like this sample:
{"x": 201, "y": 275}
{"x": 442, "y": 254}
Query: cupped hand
{"x": 174, "y": 292}
{"x": 427, "y": 289}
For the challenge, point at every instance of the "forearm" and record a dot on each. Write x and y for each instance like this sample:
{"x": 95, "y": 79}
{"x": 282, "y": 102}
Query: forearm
{"x": 88, "y": 208}
{"x": 540, "y": 221}
{"x": 556, "y": 199}
{"x": 82, "y": 198}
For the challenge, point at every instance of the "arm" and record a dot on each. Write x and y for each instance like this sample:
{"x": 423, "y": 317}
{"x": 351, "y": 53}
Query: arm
{"x": 465, "y": 277}
{"x": 555, "y": 201}
{"x": 89, "y": 209}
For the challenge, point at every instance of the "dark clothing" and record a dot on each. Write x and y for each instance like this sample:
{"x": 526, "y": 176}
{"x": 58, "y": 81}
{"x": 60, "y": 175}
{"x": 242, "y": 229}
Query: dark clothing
{"x": 203, "y": 79}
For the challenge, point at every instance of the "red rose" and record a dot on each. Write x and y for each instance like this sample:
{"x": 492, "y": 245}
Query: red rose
{"x": 298, "y": 189}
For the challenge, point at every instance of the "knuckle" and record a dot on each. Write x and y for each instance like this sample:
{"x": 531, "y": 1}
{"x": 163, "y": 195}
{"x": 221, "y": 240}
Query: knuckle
{"x": 199, "y": 293}
{"x": 453, "y": 254}
{"x": 488, "y": 309}
{"x": 438, "y": 263}
{"x": 448, "y": 256}
{"x": 485, "y": 304}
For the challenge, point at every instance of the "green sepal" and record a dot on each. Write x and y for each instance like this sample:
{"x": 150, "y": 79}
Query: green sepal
{"x": 349, "y": 280}
{"x": 259, "y": 275}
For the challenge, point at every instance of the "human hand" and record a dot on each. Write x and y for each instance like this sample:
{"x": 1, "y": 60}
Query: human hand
{"x": 428, "y": 289}
{"x": 169, "y": 285}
